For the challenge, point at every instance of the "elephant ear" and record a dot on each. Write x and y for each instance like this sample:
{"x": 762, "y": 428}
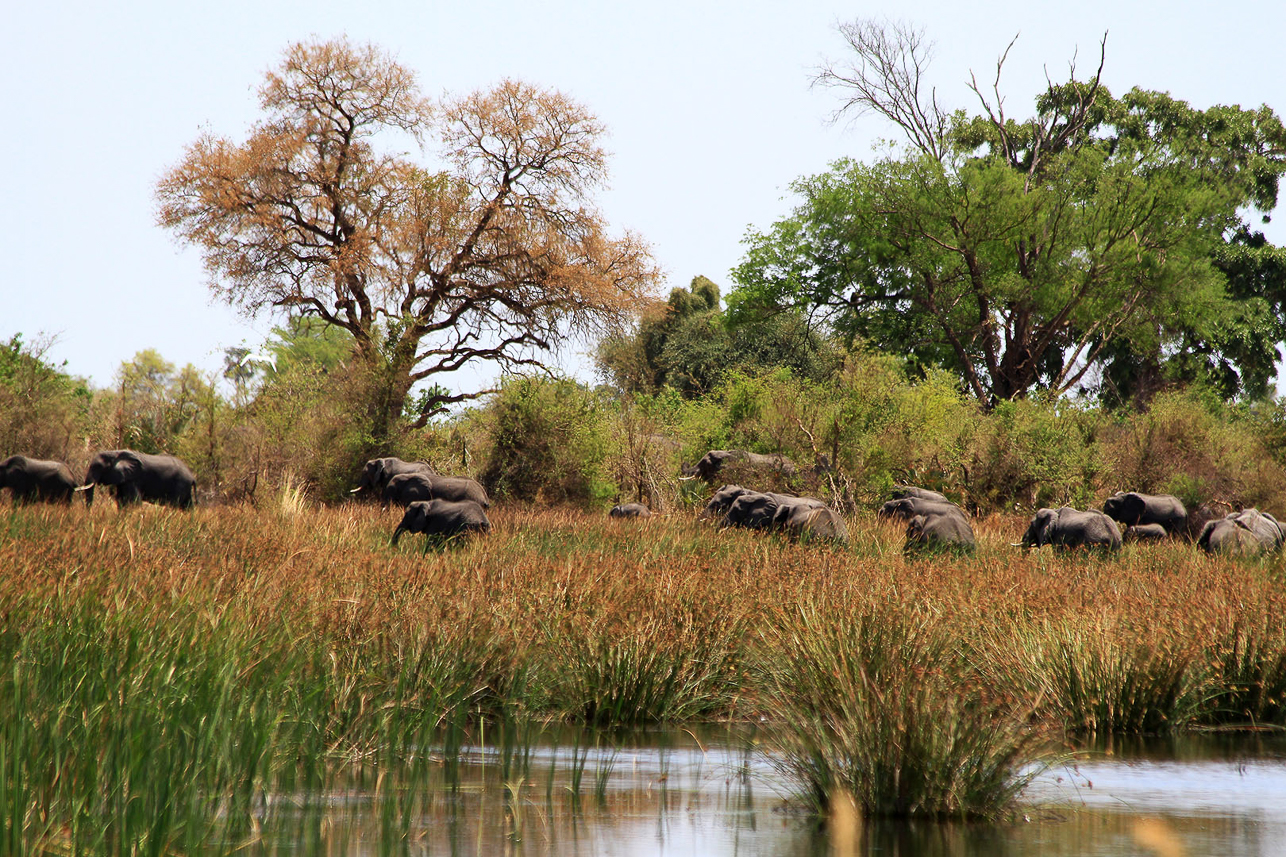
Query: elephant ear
{"x": 915, "y": 527}
{"x": 1133, "y": 507}
{"x": 126, "y": 468}
{"x": 1046, "y": 523}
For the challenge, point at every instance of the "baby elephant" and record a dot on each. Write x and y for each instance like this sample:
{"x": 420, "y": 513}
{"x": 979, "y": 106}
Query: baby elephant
{"x": 630, "y": 510}
{"x": 443, "y": 519}
{"x": 1145, "y": 533}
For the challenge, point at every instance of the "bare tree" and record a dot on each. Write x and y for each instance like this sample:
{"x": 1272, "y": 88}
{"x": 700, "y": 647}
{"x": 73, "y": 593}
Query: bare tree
{"x": 495, "y": 255}
{"x": 885, "y": 74}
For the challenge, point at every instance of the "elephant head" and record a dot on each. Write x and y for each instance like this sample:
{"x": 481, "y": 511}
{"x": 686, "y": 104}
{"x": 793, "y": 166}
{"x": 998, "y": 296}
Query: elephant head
{"x": 109, "y": 467}
{"x": 1126, "y": 508}
{"x": 1040, "y": 530}
{"x": 413, "y": 521}
{"x": 377, "y": 472}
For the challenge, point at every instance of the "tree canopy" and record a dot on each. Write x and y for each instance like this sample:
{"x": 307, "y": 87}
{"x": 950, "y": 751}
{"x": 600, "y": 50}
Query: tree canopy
{"x": 1100, "y": 243}
{"x": 493, "y": 252}
{"x": 687, "y": 344}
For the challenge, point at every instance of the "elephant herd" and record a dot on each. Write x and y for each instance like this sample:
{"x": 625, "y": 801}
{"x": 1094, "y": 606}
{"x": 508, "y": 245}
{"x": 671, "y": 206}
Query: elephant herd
{"x": 447, "y": 506}
{"x": 133, "y": 476}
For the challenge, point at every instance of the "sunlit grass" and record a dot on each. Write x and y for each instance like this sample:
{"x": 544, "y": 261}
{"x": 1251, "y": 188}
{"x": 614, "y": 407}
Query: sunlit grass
{"x": 255, "y": 649}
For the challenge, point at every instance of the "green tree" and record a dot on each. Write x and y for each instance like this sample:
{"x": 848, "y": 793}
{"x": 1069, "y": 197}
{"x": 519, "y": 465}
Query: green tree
{"x": 688, "y": 345}
{"x": 42, "y": 408}
{"x": 153, "y": 403}
{"x": 1036, "y": 254}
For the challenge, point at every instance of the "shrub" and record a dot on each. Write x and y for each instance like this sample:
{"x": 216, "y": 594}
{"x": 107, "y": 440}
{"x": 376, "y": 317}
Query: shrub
{"x": 545, "y": 440}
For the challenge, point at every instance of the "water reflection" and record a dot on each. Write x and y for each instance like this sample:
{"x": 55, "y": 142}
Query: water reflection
{"x": 712, "y": 794}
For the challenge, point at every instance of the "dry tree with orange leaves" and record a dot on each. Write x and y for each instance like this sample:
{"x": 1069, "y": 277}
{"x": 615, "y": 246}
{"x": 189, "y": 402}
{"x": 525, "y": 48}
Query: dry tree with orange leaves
{"x": 494, "y": 252}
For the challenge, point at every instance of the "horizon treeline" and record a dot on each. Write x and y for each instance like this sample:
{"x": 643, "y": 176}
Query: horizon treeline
{"x": 856, "y": 421}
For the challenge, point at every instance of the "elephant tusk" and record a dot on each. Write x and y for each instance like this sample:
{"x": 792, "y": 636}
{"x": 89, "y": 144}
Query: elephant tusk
{"x": 85, "y": 487}
{"x": 1017, "y": 545}
{"x": 355, "y": 490}
{"x": 687, "y": 478}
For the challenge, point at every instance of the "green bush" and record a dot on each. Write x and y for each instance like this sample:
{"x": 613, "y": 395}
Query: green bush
{"x": 546, "y": 440}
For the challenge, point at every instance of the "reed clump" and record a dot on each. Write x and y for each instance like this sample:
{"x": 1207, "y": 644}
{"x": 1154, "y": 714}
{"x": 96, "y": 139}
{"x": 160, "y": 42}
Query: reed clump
{"x": 256, "y": 650}
{"x": 880, "y": 706}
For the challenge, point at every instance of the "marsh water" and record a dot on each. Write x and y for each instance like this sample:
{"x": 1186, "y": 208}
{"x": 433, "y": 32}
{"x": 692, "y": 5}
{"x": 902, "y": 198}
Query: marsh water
{"x": 686, "y": 793}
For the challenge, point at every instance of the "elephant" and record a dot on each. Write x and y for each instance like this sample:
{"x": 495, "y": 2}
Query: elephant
{"x": 1145, "y": 533}
{"x": 907, "y": 508}
{"x": 1249, "y": 531}
{"x": 937, "y": 532}
{"x": 442, "y": 518}
{"x": 756, "y": 510}
{"x": 377, "y": 472}
{"x": 139, "y": 476}
{"x": 1202, "y": 515}
{"x": 707, "y": 469}
{"x": 1068, "y": 528}
{"x": 31, "y": 479}
{"x": 630, "y": 510}
{"x": 1135, "y": 508}
{"x": 408, "y": 487}
{"x": 723, "y": 499}
{"x": 901, "y": 492}
{"x": 802, "y": 519}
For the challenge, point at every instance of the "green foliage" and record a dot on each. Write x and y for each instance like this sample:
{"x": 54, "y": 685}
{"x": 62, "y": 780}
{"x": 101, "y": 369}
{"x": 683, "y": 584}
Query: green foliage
{"x": 545, "y": 442}
{"x": 1117, "y": 243}
{"x": 689, "y": 345}
{"x": 871, "y": 705}
{"x": 1189, "y": 444}
{"x": 1103, "y": 680}
{"x": 1035, "y": 454}
{"x": 152, "y": 404}
{"x": 42, "y": 409}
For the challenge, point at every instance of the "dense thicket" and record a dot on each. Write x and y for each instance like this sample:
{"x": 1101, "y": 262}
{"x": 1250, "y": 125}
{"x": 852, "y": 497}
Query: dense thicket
{"x": 288, "y": 425}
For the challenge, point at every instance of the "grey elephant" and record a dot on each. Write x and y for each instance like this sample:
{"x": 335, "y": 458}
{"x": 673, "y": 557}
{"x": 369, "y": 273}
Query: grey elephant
{"x": 139, "y": 476}
{"x": 798, "y": 516}
{"x": 707, "y": 469}
{"x": 906, "y": 508}
{"x": 630, "y": 510}
{"x": 1068, "y": 528}
{"x": 1202, "y": 515}
{"x": 900, "y": 492}
{"x": 938, "y": 532}
{"x": 1145, "y": 533}
{"x": 1133, "y": 508}
{"x": 377, "y": 472}
{"x": 442, "y": 519}
{"x": 723, "y": 499}
{"x": 801, "y": 519}
{"x": 1247, "y": 532}
{"x": 406, "y": 488}
{"x": 31, "y": 479}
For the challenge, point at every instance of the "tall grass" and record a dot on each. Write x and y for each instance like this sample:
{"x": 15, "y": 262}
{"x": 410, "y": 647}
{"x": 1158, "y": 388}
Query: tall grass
{"x": 163, "y": 674}
{"x": 1120, "y": 680}
{"x": 873, "y": 706}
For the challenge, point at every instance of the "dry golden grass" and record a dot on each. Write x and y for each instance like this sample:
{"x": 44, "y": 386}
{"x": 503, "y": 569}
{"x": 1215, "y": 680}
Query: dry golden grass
{"x": 561, "y": 583}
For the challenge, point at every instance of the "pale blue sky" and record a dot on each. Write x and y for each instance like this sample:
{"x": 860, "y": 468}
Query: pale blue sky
{"x": 708, "y": 107}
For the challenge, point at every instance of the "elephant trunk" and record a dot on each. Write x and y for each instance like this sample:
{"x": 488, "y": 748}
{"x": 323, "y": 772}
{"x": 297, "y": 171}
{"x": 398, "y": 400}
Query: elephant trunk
{"x": 397, "y": 534}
